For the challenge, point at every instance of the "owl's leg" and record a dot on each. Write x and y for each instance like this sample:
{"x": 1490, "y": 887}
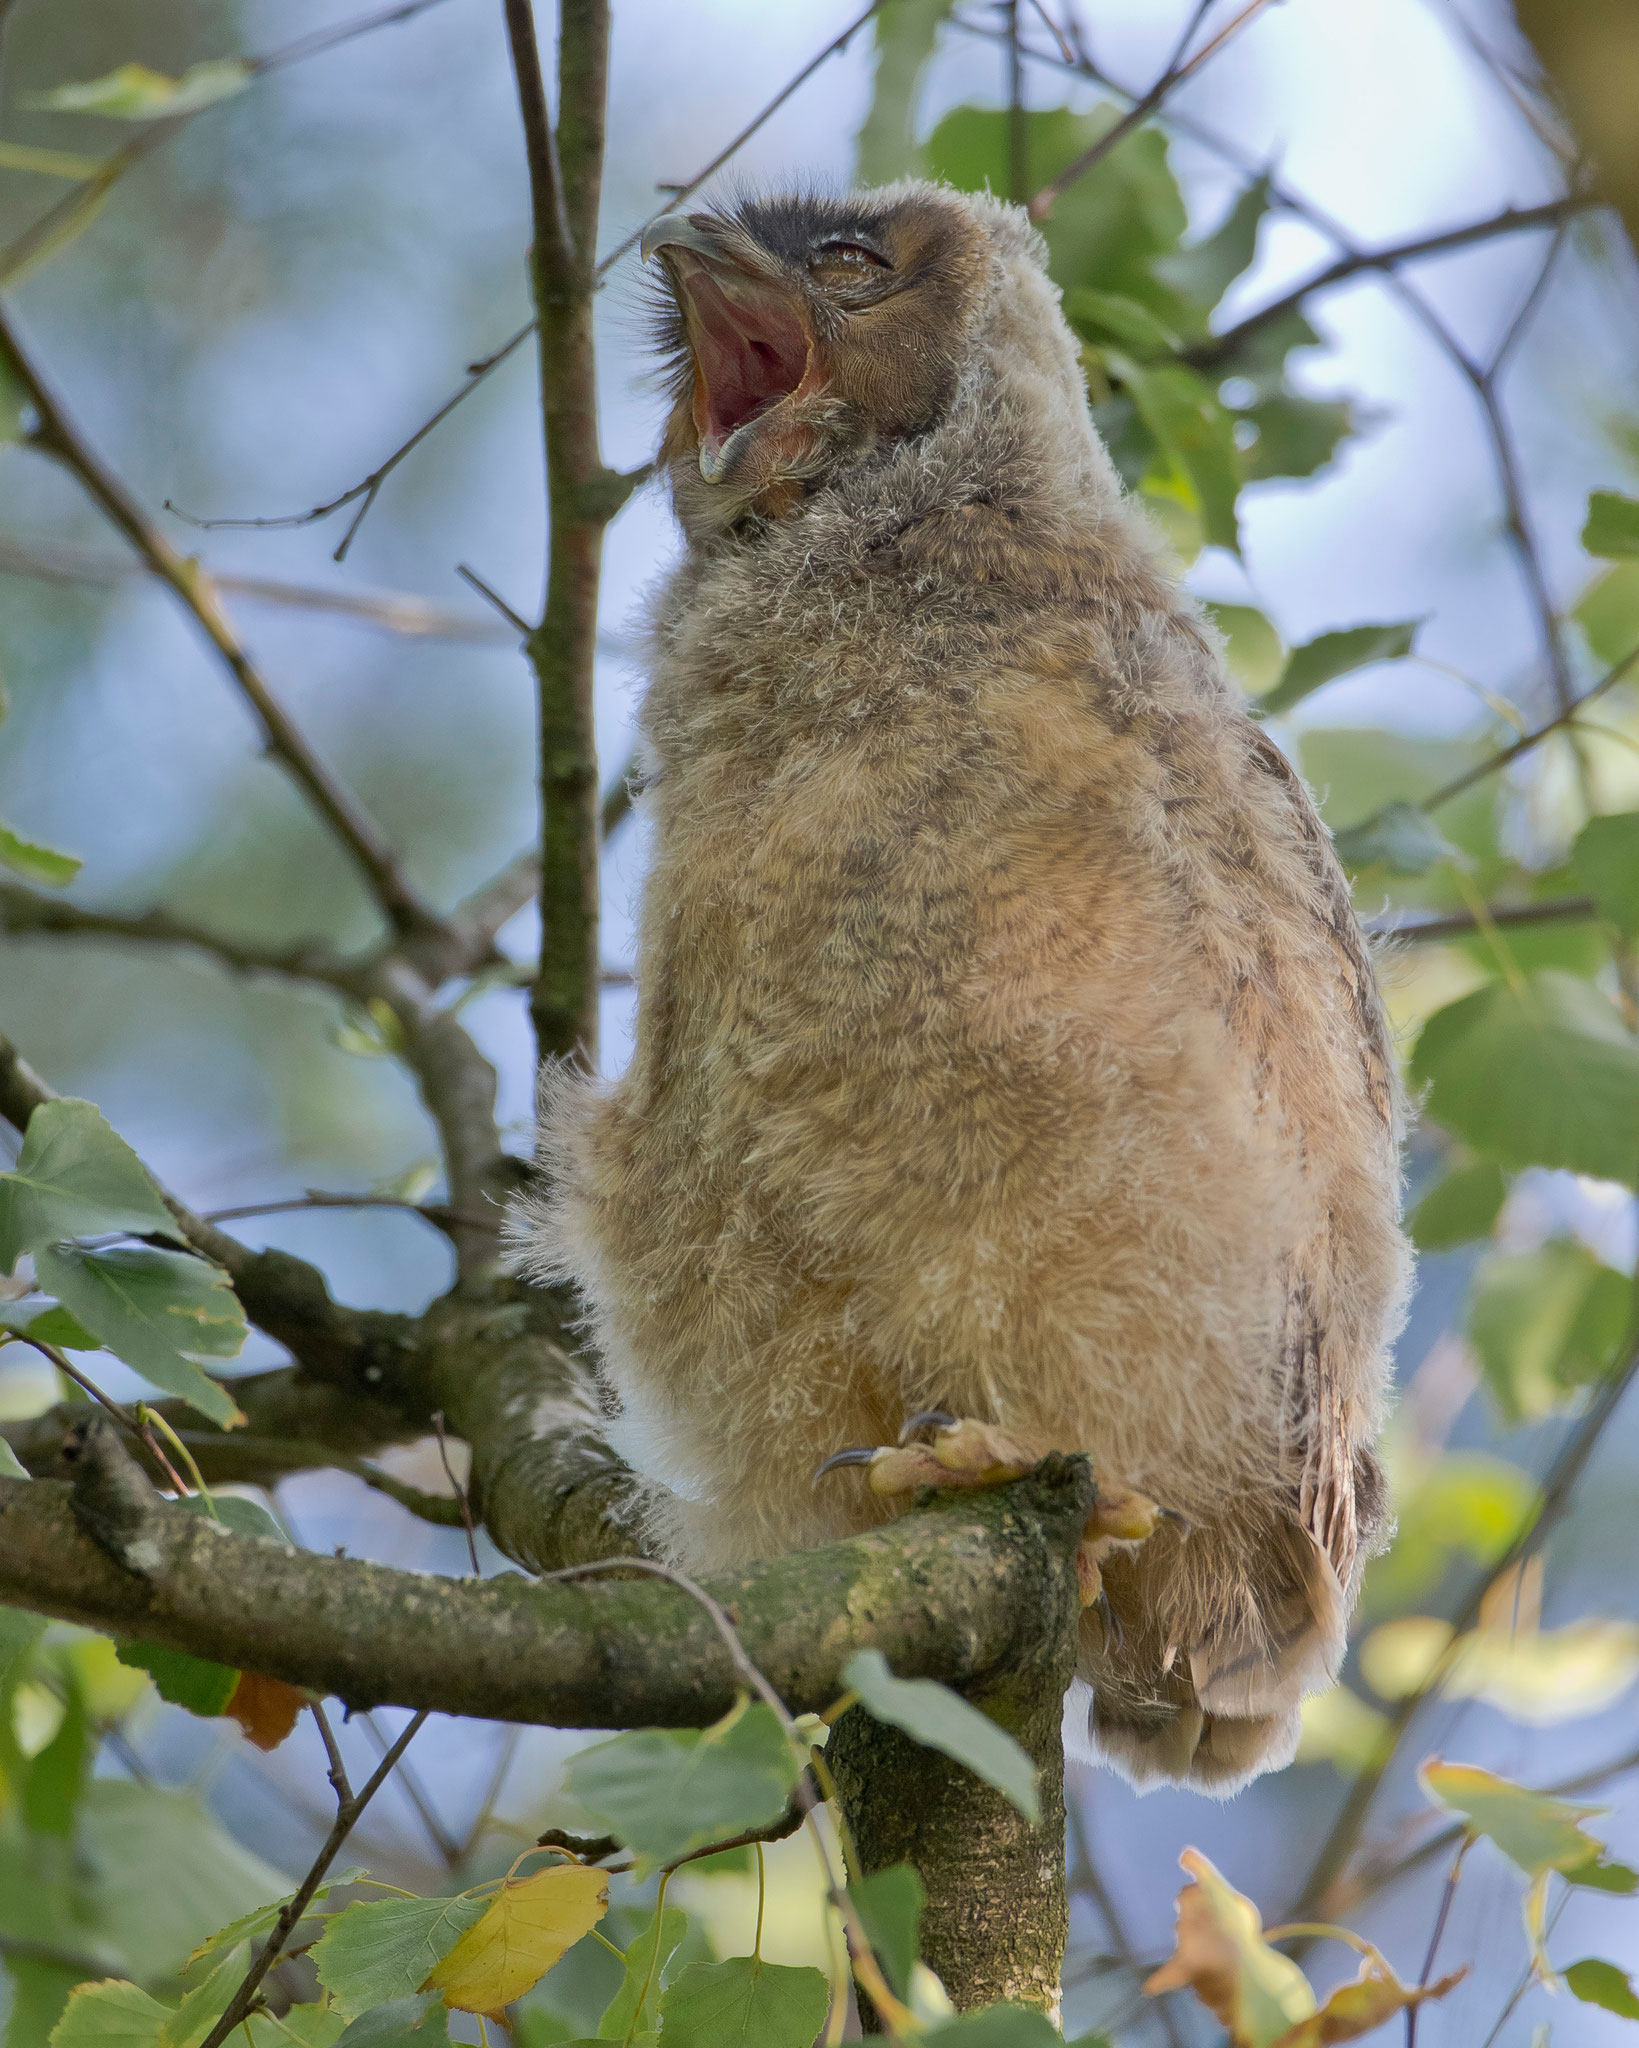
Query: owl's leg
{"x": 966, "y": 1453}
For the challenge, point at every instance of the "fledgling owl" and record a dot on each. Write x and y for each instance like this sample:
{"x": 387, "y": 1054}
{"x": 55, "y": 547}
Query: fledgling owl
{"x": 1005, "y": 1039}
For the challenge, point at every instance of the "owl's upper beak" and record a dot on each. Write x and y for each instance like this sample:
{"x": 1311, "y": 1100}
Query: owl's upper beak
{"x": 748, "y": 328}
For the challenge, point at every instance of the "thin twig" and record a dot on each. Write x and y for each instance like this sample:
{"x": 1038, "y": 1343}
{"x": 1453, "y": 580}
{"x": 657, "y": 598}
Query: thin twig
{"x": 493, "y": 597}
{"x": 1085, "y": 1871}
{"x": 459, "y": 1491}
{"x": 1446, "y": 1897}
{"x": 337, "y": 1773}
{"x": 1504, "y": 756}
{"x": 142, "y": 1431}
{"x": 347, "y": 819}
{"x": 1459, "y": 922}
{"x": 506, "y": 1751}
{"x": 448, "y": 1848}
{"x": 348, "y": 1811}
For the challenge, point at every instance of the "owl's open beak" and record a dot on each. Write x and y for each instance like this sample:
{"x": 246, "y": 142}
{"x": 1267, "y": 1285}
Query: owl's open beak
{"x": 748, "y": 330}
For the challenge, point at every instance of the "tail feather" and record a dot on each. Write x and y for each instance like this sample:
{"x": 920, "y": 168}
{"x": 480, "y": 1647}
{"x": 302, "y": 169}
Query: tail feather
{"x": 1292, "y": 1645}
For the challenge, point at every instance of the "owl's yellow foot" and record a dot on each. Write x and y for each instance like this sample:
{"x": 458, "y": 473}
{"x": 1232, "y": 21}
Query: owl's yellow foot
{"x": 1119, "y": 1516}
{"x": 962, "y": 1452}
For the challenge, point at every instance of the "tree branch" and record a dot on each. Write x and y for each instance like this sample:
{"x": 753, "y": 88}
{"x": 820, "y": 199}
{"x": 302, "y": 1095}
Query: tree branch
{"x": 353, "y": 826}
{"x": 1562, "y": 909}
{"x": 565, "y": 181}
{"x": 954, "y": 1591}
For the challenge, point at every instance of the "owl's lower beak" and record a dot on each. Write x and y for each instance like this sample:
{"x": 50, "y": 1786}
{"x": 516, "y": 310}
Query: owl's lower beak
{"x": 748, "y": 330}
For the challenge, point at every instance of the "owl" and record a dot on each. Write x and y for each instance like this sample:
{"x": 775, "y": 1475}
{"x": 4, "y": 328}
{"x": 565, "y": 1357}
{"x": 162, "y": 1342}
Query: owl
{"x": 1005, "y": 1041}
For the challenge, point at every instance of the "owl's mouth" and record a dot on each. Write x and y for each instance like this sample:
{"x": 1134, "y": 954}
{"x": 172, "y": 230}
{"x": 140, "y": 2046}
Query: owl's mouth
{"x": 751, "y": 342}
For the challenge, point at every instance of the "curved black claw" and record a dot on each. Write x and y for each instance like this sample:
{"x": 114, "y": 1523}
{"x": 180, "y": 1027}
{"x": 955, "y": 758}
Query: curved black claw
{"x": 864, "y": 1456}
{"x": 1115, "y": 1636}
{"x": 925, "y": 1418}
{"x": 1183, "y": 1523}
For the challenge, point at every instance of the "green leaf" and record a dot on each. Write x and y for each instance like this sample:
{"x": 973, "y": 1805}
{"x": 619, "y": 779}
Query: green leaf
{"x": 999, "y": 2026}
{"x": 384, "y": 1949}
{"x": 136, "y": 93}
{"x": 14, "y": 402}
{"x": 1608, "y": 613}
{"x": 57, "y": 1776}
{"x": 1606, "y": 854}
{"x": 258, "y": 1923}
{"x": 1330, "y": 655}
{"x": 153, "y": 1308}
{"x": 47, "y": 1321}
{"x": 1456, "y": 1210}
{"x": 203, "y": 1688}
{"x": 10, "y": 1468}
{"x": 666, "y": 1792}
{"x": 1294, "y": 435}
{"x": 744, "y": 2003}
{"x": 1401, "y": 838}
{"x": 19, "y": 1632}
{"x": 1603, "y": 1984}
{"x": 1600, "y": 1876}
{"x": 940, "y": 1719}
{"x": 312, "y": 2025}
{"x": 1108, "y": 317}
{"x": 1260, "y": 357}
{"x": 233, "y": 1511}
{"x": 1545, "y": 1323}
{"x": 1204, "y": 270}
{"x": 1543, "y": 1076}
{"x": 421, "y": 2022}
{"x": 76, "y": 1177}
{"x": 1196, "y": 433}
{"x": 111, "y": 2015}
{"x": 1252, "y": 647}
{"x": 33, "y": 862}
{"x": 1612, "y": 527}
{"x": 39, "y": 1992}
{"x": 906, "y": 31}
{"x": 890, "y": 1906}
{"x": 631, "y": 2012}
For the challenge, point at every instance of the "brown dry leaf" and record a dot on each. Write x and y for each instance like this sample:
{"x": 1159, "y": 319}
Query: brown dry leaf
{"x": 266, "y": 1708}
{"x": 1221, "y": 1955}
{"x": 528, "y": 1925}
{"x": 1354, "y": 2009}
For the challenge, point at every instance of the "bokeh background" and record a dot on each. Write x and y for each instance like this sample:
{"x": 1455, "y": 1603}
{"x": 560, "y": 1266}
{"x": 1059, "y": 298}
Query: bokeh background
{"x": 266, "y": 306}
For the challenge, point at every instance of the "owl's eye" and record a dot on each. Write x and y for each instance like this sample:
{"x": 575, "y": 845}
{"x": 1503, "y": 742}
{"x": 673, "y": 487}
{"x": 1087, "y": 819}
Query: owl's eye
{"x": 843, "y": 255}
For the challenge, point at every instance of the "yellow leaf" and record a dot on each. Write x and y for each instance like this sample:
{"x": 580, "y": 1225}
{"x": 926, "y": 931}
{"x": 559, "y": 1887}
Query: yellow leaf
{"x": 530, "y": 1922}
{"x": 1221, "y": 1955}
{"x": 1354, "y": 2009}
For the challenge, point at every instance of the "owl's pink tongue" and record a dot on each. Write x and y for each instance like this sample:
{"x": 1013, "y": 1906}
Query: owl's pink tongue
{"x": 751, "y": 349}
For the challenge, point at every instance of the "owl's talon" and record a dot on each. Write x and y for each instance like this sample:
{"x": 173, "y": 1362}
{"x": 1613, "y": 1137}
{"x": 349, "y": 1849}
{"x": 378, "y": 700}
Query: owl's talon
{"x": 925, "y": 1418}
{"x": 866, "y": 1455}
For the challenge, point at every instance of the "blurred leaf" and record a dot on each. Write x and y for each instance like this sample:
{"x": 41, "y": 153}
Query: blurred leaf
{"x": 1106, "y": 227}
{"x": 1252, "y": 647}
{"x": 1362, "y": 2007}
{"x": 402, "y": 2023}
{"x": 266, "y": 1709}
{"x": 313, "y": 2026}
{"x": 1603, "y": 1984}
{"x": 1330, "y": 655}
{"x": 1128, "y": 442}
{"x": 46, "y": 163}
{"x": 1339, "y": 1728}
{"x": 890, "y": 1905}
{"x": 1108, "y": 317}
{"x": 58, "y": 1774}
{"x": 1606, "y": 854}
{"x": 36, "y": 863}
{"x": 49, "y": 1322}
{"x": 666, "y": 1792}
{"x": 1197, "y": 436}
{"x": 153, "y": 1308}
{"x": 135, "y": 93}
{"x": 1538, "y": 1833}
{"x": 383, "y": 1949}
{"x": 1608, "y": 613}
{"x": 233, "y": 1511}
{"x": 1260, "y": 356}
{"x": 744, "y": 2003}
{"x": 191, "y": 1682}
{"x": 1456, "y": 1210}
{"x": 111, "y": 2015}
{"x": 631, "y": 2011}
{"x": 14, "y": 402}
{"x": 1204, "y": 270}
{"x": 10, "y": 1468}
{"x": 372, "y": 1032}
{"x": 1296, "y": 435}
{"x": 1467, "y": 1501}
{"x": 1612, "y": 527}
{"x": 1220, "y": 1954}
{"x": 1544, "y": 1076}
{"x": 941, "y": 1719}
{"x": 39, "y": 1992}
{"x": 76, "y": 1177}
{"x": 1401, "y": 838}
{"x": 1545, "y": 1323}
{"x": 1545, "y": 1676}
{"x": 529, "y": 1923}
{"x": 906, "y": 31}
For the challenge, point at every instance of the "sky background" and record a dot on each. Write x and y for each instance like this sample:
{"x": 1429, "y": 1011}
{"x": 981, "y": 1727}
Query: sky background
{"x": 274, "y": 300}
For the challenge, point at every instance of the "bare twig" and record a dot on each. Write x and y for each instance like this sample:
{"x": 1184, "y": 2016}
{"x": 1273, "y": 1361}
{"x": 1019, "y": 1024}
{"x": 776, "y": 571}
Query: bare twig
{"x": 1440, "y": 1919}
{"x": 1178, "y": 68}
{"x": 1425, "y": 930}
{"x": 390, "y": 611}
{"x": 493, "y": 597}
{"x": 1494, "y": 763}
{"x": 458, "y": 1490}
{"x": 348, "y": 1809}
{"x": 444, "y": 1843}
{"x": 351, "y": 824}
{"x": 139, "y": 1429}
